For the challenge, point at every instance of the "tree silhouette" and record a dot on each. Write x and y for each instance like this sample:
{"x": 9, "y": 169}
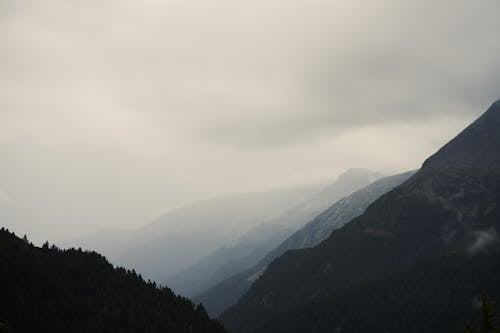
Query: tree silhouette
{"x": 488, "y": 318}
{"x": 4, "y": 327}
{"x": 50, "y": 290}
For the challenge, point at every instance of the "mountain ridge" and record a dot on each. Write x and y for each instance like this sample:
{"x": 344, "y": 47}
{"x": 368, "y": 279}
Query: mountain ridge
{"x": 212, "y": 269}
{"x": 441, "y": 210}
{"x": 340, "y": 212}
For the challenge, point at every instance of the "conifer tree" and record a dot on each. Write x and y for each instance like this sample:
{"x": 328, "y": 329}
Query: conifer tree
{"x": 488, "y": 318}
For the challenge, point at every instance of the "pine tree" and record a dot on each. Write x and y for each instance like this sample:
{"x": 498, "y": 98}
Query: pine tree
{"x": 488, "y": 318}
{"x": 4, "y": 327}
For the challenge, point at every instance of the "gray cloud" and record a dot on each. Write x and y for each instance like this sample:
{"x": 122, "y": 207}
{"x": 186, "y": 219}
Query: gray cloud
{"x": 147, "y": 105}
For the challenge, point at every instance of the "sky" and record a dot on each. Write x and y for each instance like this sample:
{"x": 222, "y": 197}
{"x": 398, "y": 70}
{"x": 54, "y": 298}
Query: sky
{"x": 112, "y": 112}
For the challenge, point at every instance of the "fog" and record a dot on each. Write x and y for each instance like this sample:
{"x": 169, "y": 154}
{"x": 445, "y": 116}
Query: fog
{"x": 482, "y": 239}
{"x": 114, "y": 112}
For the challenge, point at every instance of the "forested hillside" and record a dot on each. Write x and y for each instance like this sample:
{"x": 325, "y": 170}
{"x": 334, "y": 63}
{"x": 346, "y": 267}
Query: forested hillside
{"x": 49, "y": 290}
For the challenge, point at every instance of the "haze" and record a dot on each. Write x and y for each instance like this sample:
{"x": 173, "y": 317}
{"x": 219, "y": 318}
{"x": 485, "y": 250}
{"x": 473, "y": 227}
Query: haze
{"x": 113, "y": 112}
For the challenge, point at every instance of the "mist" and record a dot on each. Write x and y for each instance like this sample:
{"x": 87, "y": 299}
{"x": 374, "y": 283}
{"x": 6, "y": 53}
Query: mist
{"x": 115, "y": 112}
{"x": 482, "y": 239}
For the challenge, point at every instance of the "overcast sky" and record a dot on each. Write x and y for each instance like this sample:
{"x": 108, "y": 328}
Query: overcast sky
{"x": 112, "y": 112}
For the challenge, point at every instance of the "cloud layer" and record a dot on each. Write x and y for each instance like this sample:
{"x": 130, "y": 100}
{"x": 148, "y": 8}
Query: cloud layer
{"x": 113, "y": 111}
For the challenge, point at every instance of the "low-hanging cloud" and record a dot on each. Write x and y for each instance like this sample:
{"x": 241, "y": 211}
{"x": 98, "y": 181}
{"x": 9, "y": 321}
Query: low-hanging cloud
{"x": 482, "y": 239}
{"x": 109, "y": 105}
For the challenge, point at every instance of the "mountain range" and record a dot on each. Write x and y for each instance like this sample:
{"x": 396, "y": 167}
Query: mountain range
{"x": 415, "y": 261}
{"x": 196, "y": 246}
{"x": 409, "y": 253}
{"x": 227, "y": 292}
{"x": 180, "y": 238}
{"x": 247, "y": 250}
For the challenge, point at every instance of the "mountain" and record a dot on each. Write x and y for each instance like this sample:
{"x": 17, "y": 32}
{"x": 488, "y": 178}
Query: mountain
{"x": 415, "y": 261}
{"x": 345, "y": 184}
{"x": 227, "y": 292}
{"x": 227, "y": 261}
{"x": 50, "y": 290}
{"x": 338, "y": 215}
{"x": 247, "y": 250}
{"x": 185, "y": 235}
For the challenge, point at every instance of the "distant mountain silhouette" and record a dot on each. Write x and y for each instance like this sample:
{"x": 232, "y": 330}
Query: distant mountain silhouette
{"x": 415, "y": 261}
{"x": 248, "y": 249}
{"x": 50, "y": 290}
{"x": 227, "y": 292}
{"x": 179, "y": 239}
{"x": 229, "y": 260}
{"x": 189, "y": 237}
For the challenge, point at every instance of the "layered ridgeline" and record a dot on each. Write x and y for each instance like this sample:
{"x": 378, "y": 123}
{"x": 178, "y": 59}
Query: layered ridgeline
{"x": 415, "y": 261}
{"x": 226, "y": 293}
{"x": 180, "y": 238}
{"x": 227, "y": 261}
{"x": 50, "y": 290}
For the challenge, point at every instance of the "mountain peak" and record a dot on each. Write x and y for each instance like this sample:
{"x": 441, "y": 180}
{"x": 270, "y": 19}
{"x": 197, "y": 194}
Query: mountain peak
{"x": 346, "y": 183}
{"x": 475, "y": 146}
{"x": 493, "y": 113}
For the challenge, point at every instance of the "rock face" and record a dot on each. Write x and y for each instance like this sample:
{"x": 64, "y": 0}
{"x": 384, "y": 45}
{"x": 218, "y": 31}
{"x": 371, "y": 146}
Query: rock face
{"x": 437, "y": 232}
{"x": 337, "y": 215}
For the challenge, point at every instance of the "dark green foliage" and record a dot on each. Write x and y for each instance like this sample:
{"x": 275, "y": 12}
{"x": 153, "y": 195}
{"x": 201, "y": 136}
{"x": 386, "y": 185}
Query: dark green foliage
{"x": 50, "y": 290}
{"x": 4, "y": 327}
{"x": 489, "y": 318}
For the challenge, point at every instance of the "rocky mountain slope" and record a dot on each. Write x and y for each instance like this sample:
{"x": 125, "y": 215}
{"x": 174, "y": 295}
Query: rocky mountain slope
{"x": 441, "y": 226}
{"x": 230, "y": 290}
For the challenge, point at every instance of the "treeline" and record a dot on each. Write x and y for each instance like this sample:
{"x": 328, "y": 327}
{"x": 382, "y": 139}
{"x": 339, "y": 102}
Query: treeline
{"x": 51, "y": 290}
